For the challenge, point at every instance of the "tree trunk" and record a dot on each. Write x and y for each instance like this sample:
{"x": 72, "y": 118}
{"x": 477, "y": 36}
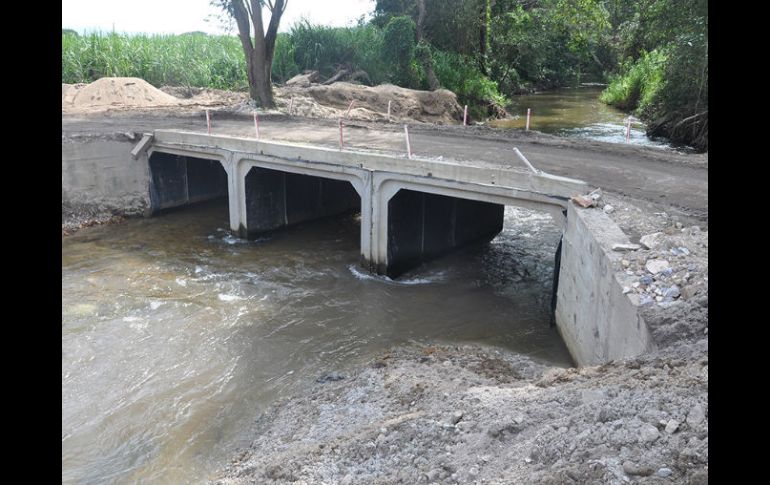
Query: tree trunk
{"x": 426, "y": 59}
{"x": 259, "y": 54}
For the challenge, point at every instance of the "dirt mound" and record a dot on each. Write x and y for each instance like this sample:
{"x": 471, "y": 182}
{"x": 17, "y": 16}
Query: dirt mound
{"x": 371, "y": 103}
{"x": 118, "y": 91}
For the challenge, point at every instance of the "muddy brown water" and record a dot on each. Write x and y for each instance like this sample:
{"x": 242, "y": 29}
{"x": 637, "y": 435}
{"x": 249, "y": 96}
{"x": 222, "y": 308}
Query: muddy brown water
{"x": 578, "y": 113}
{"x": 176, "y": 334}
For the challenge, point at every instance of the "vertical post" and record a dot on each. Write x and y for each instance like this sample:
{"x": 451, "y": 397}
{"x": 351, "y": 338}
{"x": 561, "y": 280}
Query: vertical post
{"x": 349, "y": 107}
{"x": 465, "y": 116}
{"x": 388, "y": 110}
{"x": 291, "y": 105}
{"x": 208, "y": 122}
{"x": 341, "y": 140}
{"x": 529, "y": 113}
{"x": 256, "y": 124}
{"x": 628, "y": 130}
{"x": 408, "y": 146}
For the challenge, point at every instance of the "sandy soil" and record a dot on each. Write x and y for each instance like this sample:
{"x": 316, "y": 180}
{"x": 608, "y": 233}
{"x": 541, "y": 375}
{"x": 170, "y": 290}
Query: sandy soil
{"x": 314, "y": 101}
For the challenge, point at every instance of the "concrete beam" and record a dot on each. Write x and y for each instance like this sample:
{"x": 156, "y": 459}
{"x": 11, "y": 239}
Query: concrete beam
{"x": 542, "y": 183}
{"x": 142, "y": 146}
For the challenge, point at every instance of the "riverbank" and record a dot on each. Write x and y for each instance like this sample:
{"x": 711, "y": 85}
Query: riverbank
{"x": 468, "y": 414}
{"x": 473, "y": 414}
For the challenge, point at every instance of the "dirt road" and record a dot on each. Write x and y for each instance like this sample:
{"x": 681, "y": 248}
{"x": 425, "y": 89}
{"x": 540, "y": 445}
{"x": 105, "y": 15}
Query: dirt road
{"x": 664, "y": 180}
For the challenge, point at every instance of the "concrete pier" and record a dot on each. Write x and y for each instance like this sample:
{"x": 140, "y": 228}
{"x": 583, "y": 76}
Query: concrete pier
{"x": 412, "y": 210}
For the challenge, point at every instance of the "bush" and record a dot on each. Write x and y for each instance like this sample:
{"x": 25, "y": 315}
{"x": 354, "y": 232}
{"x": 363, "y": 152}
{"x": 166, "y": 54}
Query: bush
{"x": 637, "y": 88}
{"x": 461, "y": 74}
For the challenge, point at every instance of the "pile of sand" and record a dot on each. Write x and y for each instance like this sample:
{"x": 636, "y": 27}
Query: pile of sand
{"x": 116, "y": 91}
{"x": 371, "y": 103}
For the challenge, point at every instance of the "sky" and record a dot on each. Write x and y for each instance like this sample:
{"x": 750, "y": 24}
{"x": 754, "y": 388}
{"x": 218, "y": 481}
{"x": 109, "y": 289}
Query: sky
{"x": 179, "y": 16}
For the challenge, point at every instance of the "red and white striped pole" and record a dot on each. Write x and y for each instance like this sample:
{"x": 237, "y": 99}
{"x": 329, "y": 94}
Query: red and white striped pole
{"x": 465, "y": 116}
{"x": 628, "y": 130}
{"x": 291, "y": 105}
{"x": 342, "y": 145}
{"x": 529, "y": 113}
{"x": 208, "y": 122}
{"x": 349, "y": 107}
{"x": 256, "y": 124}
{"x": 408, "y": 146}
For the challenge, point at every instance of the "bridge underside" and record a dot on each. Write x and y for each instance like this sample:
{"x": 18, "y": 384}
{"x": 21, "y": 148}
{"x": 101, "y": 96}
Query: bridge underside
{"x": 424, "y": 226}
{"x": 177, "y": 180}
{"x": 276, "y": 199}
{"x": 411, "y": 210}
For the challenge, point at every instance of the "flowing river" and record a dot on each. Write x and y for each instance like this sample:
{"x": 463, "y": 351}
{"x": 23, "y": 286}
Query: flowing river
{"x": 176, "y": 334}
{"x": 577, "y": 113}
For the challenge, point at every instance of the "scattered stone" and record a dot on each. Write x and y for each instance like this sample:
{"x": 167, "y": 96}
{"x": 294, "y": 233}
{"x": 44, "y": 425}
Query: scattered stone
{"x": 591, "y": 395}
{"x": 672, "y": 292}
{"x": 330, "y": 377}
{"x": 625, "y": 247}
{"x": 630, "y": 468}
{"x": 456, "y": 417}
{"x": 626, "y": 289}
{"x": 583, "y": 201}
{"x": 625, "y": 263}
{"x": 595, "y": 194}
{"x": 347, "y": 480}
{"x": 646, "y": 280}
{"x": 608, "y": 209}
{"x": 652, "y": 241}
{"x": 655, "y": 266}
{"x": 672, "y": 426}
{"x": 649, "y": 433}
{"x": 664, "y": 472}
{"x": 680, "y": 251}
{"x": 689, "y": 291}
{"x": 696, "y": 415}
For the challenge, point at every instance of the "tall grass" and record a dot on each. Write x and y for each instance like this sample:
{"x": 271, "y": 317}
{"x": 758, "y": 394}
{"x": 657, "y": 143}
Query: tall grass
{"x": 202, "y": 60}
{"x": 188, "y": 60}
{"x": 639, "y": 84}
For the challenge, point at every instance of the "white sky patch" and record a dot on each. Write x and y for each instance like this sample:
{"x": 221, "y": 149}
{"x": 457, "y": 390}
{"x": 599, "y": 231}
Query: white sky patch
{"x": 180, "y": 16}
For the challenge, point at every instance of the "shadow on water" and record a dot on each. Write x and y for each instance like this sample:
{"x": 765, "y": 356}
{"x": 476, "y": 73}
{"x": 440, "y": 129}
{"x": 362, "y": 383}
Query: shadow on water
{"x": 176, "y": 333}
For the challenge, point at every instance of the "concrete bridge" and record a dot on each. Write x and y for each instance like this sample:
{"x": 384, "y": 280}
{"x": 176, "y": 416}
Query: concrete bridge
{"x": 412, "y": 210}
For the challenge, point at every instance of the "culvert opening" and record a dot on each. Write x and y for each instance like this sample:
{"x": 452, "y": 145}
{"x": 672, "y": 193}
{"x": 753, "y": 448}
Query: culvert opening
{"x": 177, "y": 181}
{"x": 518, "y": 248}
{"x": 276, "y": 199}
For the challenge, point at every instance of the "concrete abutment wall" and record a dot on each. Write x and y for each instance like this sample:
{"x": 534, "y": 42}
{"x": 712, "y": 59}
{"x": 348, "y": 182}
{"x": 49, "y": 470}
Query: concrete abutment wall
{"x": 596, "y": 320}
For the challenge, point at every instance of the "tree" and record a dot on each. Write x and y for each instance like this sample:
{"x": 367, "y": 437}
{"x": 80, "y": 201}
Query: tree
{"x": 259, "y": 53}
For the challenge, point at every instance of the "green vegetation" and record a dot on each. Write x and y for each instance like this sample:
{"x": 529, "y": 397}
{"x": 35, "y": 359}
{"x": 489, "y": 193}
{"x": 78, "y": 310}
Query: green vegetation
{"x": 664, "y": 78}
{"x": 654, "y": 53}
{"x": 186, "y": 60}
{"x": 639, "y": 85}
